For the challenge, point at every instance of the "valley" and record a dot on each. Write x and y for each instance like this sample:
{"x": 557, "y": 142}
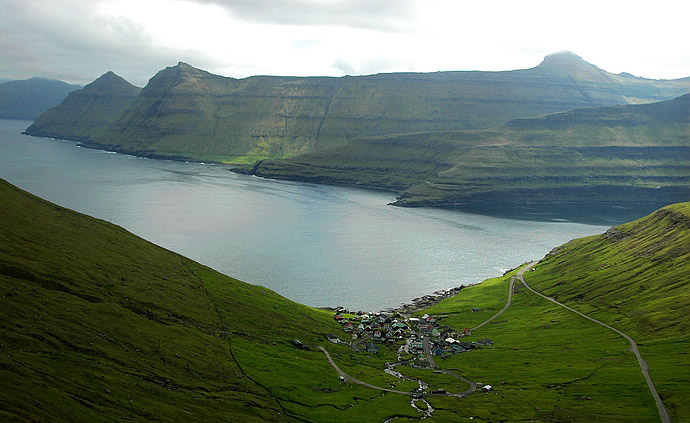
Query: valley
{"x": 542, "y": 362}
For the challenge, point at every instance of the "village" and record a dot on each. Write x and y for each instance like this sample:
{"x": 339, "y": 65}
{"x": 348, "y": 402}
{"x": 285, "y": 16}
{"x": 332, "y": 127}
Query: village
{"x": 419, "y": 337}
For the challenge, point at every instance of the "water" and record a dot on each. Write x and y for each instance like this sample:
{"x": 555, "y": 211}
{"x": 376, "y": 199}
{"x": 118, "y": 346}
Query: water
{"x": 318, "y": 245}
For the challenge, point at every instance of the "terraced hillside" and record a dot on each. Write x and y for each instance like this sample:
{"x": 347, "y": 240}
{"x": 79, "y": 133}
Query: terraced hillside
{"x": 185, "y": 112}
{"x": 615, "y": 154}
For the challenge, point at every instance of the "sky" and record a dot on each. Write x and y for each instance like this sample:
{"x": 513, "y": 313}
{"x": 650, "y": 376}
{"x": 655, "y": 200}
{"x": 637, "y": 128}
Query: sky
{"x": 79, "y": 40}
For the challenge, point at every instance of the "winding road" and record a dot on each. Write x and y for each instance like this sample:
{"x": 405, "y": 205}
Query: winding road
{"x": 473, "y": 386}
{"x": 665, "y": 418}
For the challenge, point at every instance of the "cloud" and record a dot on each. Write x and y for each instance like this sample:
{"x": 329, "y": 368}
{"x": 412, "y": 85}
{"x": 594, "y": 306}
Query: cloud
{"x": 77, "y": 43}
{"x": 380, "y": 15}
{"x": 78, "y": 40}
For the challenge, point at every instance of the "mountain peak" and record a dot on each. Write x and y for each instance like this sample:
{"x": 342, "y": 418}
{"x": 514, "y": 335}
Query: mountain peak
{"x": 110, "y": 81}
{"x": 564, "y": 59}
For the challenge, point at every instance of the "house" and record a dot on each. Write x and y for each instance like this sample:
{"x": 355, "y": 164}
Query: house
{"x": 466, "y": 345}
{"x": 416, "y": 346}
{"x": 435, "y": 333}
{"x": 371, "y": 348}
{"x": 450, "y": 341}
{"x": 466, "y": 332}
{"x": 475, "y": 309}
{"x": 377, "y": 335}
{"x": 334, "y": 339}
{"x": 349, "y": 327}
{"x": 338, "y": 318}
{"x": 438, "y": 351}
{"x": 487, "y": 388}
{"x": 421, "y": 364}
{"x": 398, "y": 325}
{"x": 426, "y": 327}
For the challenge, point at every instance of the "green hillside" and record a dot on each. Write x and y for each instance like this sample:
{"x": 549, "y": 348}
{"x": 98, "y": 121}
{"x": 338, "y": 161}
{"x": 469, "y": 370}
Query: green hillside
{"x": 636, "y": 277}
{"x": 561, "y": 367}
{"x": 86, "y": 113}
{"x": 100, "y": 325}
{"x": 633, "y": 153}
{"x": 185, "y": 112}
{"x": 27, "y": 99}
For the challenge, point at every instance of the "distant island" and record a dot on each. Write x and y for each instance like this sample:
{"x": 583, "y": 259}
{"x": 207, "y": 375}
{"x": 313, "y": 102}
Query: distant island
{"x": 28, "y": 99}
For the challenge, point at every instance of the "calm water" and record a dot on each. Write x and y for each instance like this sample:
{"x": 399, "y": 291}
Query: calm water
{"x": 317, "y": 245}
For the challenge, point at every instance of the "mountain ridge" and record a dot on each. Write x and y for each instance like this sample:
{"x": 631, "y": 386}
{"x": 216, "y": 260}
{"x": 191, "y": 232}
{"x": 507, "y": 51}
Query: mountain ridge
{"x": 29, "y": 98}
{"x": 630, "y": 153}
{"x": 189, "y": 113}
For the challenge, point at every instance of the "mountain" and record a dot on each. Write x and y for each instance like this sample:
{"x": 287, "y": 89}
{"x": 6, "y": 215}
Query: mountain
{"x": 185, "y": 112}
{"x": 614, "y": 154}
{"x": 27, "y": 99}
{"x": 85, "y": 113}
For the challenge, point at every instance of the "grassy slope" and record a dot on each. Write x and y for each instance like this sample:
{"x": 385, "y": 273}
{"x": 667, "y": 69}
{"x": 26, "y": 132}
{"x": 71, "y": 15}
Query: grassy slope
{"x": 614, "y": 154}
{"x": 86, "y": 113}
{"x": 189, "y": 113}
{"x": 99, "y": 325}
{"x": 634, "y": 277}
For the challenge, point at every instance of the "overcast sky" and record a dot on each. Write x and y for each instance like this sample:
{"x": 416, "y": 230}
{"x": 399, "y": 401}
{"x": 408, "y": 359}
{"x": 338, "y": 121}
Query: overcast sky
{"x": 78, "y": 40}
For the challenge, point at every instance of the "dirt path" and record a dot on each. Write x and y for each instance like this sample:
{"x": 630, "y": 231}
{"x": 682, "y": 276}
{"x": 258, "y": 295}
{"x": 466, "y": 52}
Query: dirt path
{"x": 633, "y": 346}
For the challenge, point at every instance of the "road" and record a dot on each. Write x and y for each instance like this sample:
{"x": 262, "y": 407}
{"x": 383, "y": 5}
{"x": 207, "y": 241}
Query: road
{"x": 355, "y": 345}
{"x": 349, "y": 378}
{"x": 510, "y": 294}
{"x": 665, "y": 418}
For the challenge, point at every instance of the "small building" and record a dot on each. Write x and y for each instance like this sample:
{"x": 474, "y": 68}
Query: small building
{"x": 487, "y": 388}
{"x": 371, "y": 348}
